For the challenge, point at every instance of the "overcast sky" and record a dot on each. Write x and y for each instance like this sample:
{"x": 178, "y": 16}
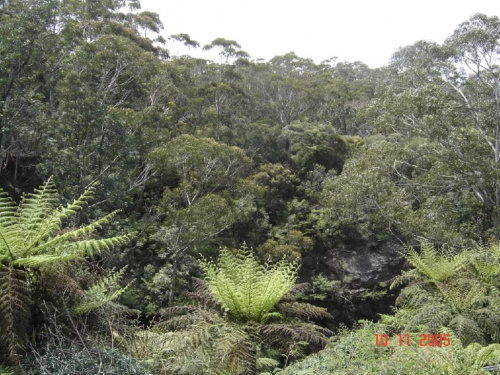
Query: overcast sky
{"x": 365, "y": 30}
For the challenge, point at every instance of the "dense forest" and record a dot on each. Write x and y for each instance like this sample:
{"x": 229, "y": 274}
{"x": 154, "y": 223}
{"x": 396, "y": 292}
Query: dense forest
{"x": 174, "y": 215}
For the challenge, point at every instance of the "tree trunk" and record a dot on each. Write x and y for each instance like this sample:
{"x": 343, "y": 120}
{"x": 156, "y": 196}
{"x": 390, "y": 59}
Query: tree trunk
{"x": 172, "y": 282}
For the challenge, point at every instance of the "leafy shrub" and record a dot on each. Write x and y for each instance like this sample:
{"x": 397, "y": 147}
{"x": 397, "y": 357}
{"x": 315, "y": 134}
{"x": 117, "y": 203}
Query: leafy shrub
{"x": 354, "y": 352}
{"x": 72, "y": 359}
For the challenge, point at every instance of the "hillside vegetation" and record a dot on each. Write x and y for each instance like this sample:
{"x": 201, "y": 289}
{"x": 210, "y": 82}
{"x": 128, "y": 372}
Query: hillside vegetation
{"x": 173, "y": 215}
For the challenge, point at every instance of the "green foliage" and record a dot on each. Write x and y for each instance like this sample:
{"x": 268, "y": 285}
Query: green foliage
{"x": 71, "y": 359}
{"x": 312, "y": 144}
{"x": 248, "y": 312}
{"x": 435, "y": 265}
{"x": 354, "y": 352}
{"x": 101, "y": 293}
{"x": 445, "y": 290}
{"x": 32, "y": 238}
{"x": 246, "y": 289}
{"x": 31, "y": 234}
{"x": 322, "y": 287}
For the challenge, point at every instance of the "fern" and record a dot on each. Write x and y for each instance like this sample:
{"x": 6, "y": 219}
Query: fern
{"x": 257, "y": 305}
{"x": 31, "y": 239}
{"x": 486, "y": 262}
{"x": 245, "y": 288}
{"x": 15, "y": 308}
{"x": 106, "y": 290}
{"x": 488, "y": 355}
{"x": 458, "y": 291}
{"x": 434, "y": 265}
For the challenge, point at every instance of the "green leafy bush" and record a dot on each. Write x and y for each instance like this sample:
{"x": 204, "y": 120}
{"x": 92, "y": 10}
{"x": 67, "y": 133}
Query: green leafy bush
{"x": 72, "y": 359}
{"x": 354, "y": 352}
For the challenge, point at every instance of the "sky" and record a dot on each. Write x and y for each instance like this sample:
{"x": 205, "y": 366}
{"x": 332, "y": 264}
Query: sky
{"x": 351, "y": 30}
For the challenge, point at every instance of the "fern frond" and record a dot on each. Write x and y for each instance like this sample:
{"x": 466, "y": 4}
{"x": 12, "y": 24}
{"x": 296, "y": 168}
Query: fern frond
{"x": 101, "y": 293}
{"x": 72, "y": 235}
{"x": 244, "y": 287}
{"x": 436, "y": 266}
{"x": 454, "y": 340}
{"x": 462, "y": 294}
{"x": 432, "y": 314}
{"x": 488, "y": 355}
{"x": 264, "y": 363}
{"x": 6, "y": 371}
{"x": 298, "y": 332}
{"x": 467, "y": 330}
{"x": 202, "y": 293}
{"x": 406, "y": 277}
{"x": 297, "y": 290}
{"x": 486, "y": 261}
{"x": 191, "y": 315}
{"x": 15, "y": 310}
{"x": 303, "y": 310}
{"x": 35, "y": 208}
{"x": 413, "y": 296}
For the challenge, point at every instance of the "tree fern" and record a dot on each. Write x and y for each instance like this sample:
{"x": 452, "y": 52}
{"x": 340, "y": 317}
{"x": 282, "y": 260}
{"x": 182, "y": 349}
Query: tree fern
{"x": 435, "y": 265}
{"x": 486, "y": 262}
{"x": 31, "y": 238}
{"x": 258, "y": 313}
{"x": 15, "y": 308}
{"x": 457, "y": 291}
{"x": 246, "y": 289}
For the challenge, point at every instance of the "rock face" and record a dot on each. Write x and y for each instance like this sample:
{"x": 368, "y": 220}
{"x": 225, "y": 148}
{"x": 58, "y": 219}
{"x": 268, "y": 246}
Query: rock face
{"x": 361, "y": 268}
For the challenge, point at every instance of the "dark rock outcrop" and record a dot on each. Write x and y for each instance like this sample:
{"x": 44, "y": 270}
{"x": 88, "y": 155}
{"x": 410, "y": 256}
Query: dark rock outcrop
{"x": 364, "y": 270}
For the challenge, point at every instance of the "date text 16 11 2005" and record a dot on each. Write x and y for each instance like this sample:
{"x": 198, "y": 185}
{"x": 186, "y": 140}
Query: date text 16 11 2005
{"x": 405, "y": 339}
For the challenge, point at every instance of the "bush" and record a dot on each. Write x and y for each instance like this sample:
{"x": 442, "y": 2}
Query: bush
{"x": 354, "y": 352}
{"x": 72, "y": 359}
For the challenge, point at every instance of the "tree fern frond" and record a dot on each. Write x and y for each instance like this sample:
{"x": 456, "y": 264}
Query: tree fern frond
{"x": 303, "y": 310}
{"x": 486, "y": 261}
{"x": 70, "y": 251}
{"x": 435, "y": 265}
{"x": 15, "y": 310}
{"x": 413, "y": 296}
{"x": 297, "y": 290}
{"x": 467, "y": 330}
{"x": 35, "y": 208}
{"x": 101, "y": 293}
{"x": 202, "y": 293}
{"x": 8, "y": 210}
{"x": 434, "y": 315}
{"x": 298, "y": 332}
{"x": 488, "y": 355}
{"x": 264, "y": 363}
{"x": 462, "y": 294}
{"x": 405, "y": 278}
{"x": 51, "y": 224}
{"x": 74, "y": 234}
{"x": 455, "y": 341}
{"x": 245, "y": 288}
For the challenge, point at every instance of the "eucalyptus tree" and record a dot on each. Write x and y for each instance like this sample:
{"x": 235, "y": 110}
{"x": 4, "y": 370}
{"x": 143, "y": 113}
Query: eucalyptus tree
{"x": 206, "y": 192}
{"x": 476, "y": 47}
{"x": 28, "y": 43}
{"x": 446, "y": 97}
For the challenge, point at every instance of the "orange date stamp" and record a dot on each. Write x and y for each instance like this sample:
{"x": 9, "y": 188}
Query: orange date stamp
{"x": 424, "y": 340}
